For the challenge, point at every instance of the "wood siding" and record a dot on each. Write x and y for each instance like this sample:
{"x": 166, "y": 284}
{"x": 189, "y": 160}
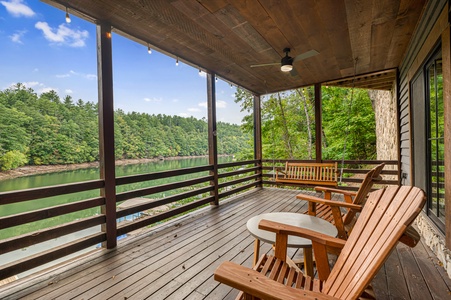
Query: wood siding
{"x": 432, "y": 29}
{"x": 426, "y": 36}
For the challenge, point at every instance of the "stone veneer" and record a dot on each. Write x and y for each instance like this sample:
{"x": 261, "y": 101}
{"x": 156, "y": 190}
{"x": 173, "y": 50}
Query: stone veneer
{"x": 384, "y": 106}
{"x": 435, "y": 240}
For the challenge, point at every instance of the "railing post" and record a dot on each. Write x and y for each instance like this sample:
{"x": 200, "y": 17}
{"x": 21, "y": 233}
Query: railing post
{"x": 318, "y": 123}
{"x": 258, "y": 135}
{"x": 106, "y": 131}
{"x": 212, "y": 135}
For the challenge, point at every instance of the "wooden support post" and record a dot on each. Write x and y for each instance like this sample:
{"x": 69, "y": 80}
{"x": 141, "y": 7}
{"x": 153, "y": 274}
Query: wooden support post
{"x": 398, "y": 126}
{"x": 318, "y": 123}
{"x": 258, "y": 136}
{"x": 446, "y": 56}
{"x": 106, "y": 132}
{"x": 212, "y": 135}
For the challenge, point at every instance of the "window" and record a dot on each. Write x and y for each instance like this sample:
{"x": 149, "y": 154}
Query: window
{"x": 435, "y": 139}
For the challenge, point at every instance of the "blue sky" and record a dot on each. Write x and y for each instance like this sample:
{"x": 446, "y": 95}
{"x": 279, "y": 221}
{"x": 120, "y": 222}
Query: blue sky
{"x": 39, "y": 49}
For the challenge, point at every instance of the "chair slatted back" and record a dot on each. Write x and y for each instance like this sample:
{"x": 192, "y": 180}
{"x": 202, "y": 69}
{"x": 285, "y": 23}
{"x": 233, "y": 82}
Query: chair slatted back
{"x": 387, "y": 213}
{"x": 370, "y": 178}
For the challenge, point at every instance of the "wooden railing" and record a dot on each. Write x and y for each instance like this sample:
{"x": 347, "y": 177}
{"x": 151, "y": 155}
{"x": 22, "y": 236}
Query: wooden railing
{"x": 347, "y": 179}
{"x": 187, "y": 194}
{"x": 195, "y": 192}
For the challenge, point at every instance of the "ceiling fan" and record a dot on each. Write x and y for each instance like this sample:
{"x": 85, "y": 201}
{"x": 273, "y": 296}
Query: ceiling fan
{"x": 286, "y": 64}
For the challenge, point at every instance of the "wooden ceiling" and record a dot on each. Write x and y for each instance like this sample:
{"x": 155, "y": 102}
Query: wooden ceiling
{"x": 228, "y": 36}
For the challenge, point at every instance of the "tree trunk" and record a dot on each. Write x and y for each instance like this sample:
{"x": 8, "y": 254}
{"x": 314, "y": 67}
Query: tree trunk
{"x": 286, "y": 134}
{"x": 307, "y": 118}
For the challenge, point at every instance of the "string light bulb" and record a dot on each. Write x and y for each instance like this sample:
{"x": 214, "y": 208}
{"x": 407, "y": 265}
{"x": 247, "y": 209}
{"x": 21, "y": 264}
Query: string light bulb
{"x": 200, "y": 71}
{"x": 108, "y": 34}
{"x": 67, "y": 16}
{"x": 177, "y": 61}
{"x": 149, "y": 50}
{"x": 216, "y": 79}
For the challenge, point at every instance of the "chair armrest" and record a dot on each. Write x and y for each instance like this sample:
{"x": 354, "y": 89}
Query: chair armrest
{"x": 332, "y": 190}
{"x": 310, "y": 198}
{"x": 258, "y": 285}
{"x": 312, "y": 235}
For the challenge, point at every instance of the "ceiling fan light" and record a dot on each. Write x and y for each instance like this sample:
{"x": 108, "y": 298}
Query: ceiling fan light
{"x": 286, "y": 64}
{"x": 286, "y": 68}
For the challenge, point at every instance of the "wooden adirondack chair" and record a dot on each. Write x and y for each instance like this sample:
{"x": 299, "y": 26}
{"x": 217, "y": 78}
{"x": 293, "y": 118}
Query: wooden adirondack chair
{"x": 386, "y": 215}
{"x": 329, "y": 210}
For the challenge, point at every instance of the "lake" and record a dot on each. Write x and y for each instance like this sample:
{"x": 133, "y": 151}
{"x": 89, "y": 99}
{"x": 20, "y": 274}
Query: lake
{"x": 80, "y": 175}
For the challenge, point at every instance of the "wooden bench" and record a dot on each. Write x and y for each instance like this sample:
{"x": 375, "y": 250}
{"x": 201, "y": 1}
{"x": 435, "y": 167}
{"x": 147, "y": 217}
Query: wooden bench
{"x": 309, "y": 173}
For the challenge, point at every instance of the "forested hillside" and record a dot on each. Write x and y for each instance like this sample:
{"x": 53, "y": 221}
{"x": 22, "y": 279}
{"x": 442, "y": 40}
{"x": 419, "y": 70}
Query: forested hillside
{"x": 44, "y": 129}
{"x": 288, "y": 123}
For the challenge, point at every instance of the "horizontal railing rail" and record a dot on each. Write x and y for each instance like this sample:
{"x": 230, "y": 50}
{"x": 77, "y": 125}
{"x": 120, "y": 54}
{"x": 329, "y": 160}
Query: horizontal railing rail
{"x": 234, "y": 181}
{"x": 185, "y": 195}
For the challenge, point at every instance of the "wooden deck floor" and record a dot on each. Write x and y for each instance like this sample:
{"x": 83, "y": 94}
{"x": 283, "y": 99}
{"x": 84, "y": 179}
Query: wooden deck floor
{"x": 177, "y": 260}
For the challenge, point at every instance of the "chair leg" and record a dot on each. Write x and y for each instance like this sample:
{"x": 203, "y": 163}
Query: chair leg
{"x": 256, "y": 251}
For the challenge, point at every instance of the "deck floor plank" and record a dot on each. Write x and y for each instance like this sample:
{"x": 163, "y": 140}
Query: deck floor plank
{"x": 176, "y": 260}
{"x": 416, "y": 284}
{"x": 161, "y": 245}
{"x": 438, "y": 283}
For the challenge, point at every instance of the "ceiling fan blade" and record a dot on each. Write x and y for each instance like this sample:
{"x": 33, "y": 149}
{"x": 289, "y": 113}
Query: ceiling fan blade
{"x": 306, "y": 55}
{"x": 264, "y": 65}
{"x": 294, "y": 72}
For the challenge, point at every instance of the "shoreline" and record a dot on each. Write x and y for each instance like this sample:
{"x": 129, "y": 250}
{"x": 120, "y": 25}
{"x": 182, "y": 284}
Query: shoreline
{"x": 43, "y": 169}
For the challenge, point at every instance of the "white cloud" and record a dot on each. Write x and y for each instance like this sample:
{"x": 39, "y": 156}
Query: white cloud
{"x": 219, "y": 104}
{"x": 39, "y": 87}
{"x": 68, "y": 91}
{"x": 194, "y": 109}
{"x": 184, "y": 115}
{"x": 62, "y": 75}
{"x": 47, "y": 89}
{"x": 63, "y": 35}
{"x": 17, "y": 8}
{"x": 32, "y": 84}
{"x": 71, "y": 72}
{"x": 90, "y": 76}
{"x": 17, "y": 36}
{"x": 153, "y": 99}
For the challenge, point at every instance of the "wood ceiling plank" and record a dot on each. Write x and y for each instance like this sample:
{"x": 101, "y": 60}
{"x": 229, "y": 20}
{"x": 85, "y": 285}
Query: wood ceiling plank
{"x": 407, "y": 18}
{"x": 257, "y": 17}
{"x": 213, "y": 5}
{"x": 382, "y": 28}
{"x": 286, "y": 16}
{"x": 238, "y": 24}
{"x": 210, "y": 22}
{"x": 359, "y": 13}
{"x": 333, "y": 12}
